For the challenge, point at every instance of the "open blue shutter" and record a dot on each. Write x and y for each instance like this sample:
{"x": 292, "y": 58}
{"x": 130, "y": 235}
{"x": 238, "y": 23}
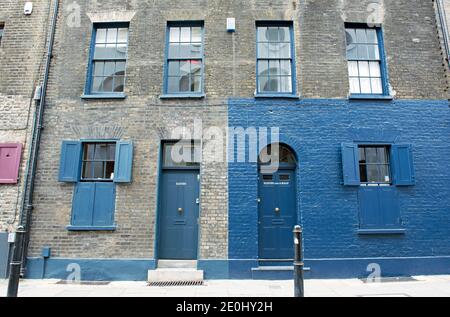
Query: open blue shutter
{"x": 69, "y": 166}
{"x": 402, "y": 165}
{"x": 350, "y": 164}
{"x": 83, "y": 204}
{"x": 104, "y": 203}
{"x": 124, "y": 162}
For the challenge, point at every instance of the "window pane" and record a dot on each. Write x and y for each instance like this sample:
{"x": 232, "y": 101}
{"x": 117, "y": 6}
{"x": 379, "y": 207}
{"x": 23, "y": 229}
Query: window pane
{"x": 350, "y": 35}
{"x": 263, "y": 67}
{"x": 98, "y": 68}
{"x": 285, "y": 67}
{"x": 185, "y": 35}
{"x": 272, "y": 34}
{"x": 377, "y": 87}
{"x": 284, "y": 34}
{"x": 98, "y": 170}
{"x": 119, "y": 83}
{"x": 184, "y": 83}
{"x": 197, "y": 34}
{"x": 372, "y": 174}
{"x": 100, "y": 36}
{"x": 185, "y": 68}
{"x": 285, "y": 50}
{"x": 363, "y": 173}
{"x": 374, "y": 52}
{"x": 101, "y": 152}
{"x": 89, "y": 150}
{"x": 274, "y": 50}
{"x": 120, "y": 68}
{"x": 87, "y": 170}
{"x": 263, "y": 50}
{"x": 371, "y": 154}
{"x": 362, "y": 155}
{"x": 363, "y": 69}
{"x": 361, "y": 36}
{"x": 286, "y": 84}
{"x": 111, "y": 152}
{"x": 362, "y": 51}
{"x": 174, "y": 50}
{"x": 108, "y": 84}
{"x": 353, "y": 69}
{"x": 173, "y": 68}
{"x": 375, "y": 69}
{"x": 121, "y": 51}
{"x": 263, "y": 84}
{"x": 365, "y": 86}
{"x": 384, "y": 173}
{"x": 196, "y": 68}
{"x": 174, "y": 35}
{"x": 274, "y": 68}
{"x": 185, "y": 50}
{"x": 274, "y": 84}
{"x": 97, "y": 84}
{"x": 109, "y": 170}
{"x": 381, "y": 155}
{"x": 196, "y": 50}
{"x": 111, "y": 36}
{"x": 372, "y": 36}
{"x": 262, "y": 31}
{"x": 352, "y": 52}
{"x": 354, "y": 86}
{"x": 173, "y": 85}
{"x": 123, "y": 35}
{"x": 110, "y": 68}
{"x": 196, "y": 84}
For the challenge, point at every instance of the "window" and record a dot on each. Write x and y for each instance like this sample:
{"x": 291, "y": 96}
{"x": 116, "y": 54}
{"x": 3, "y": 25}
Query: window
{"x": 181, "y": 154}
{"x": 275, "y": 58}
{"x": 365, "y": 62}
{"x": 2, "y": 26}
{"x": 184, "y": 59}
{"x": 98, "y": 161}
{"x": 374, "y": 165}
{"x": 95, "y": 168}
{"x": 108, "y": 59}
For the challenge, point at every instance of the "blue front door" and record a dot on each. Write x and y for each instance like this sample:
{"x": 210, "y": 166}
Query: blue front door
{"x": 179, "y": 215}
{"x": 277, "y": 215}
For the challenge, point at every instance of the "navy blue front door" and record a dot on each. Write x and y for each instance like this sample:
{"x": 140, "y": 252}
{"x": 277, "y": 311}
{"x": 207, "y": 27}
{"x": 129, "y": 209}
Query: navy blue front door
{"x": 277, "y": 215}
{"x": 179, "y": 215}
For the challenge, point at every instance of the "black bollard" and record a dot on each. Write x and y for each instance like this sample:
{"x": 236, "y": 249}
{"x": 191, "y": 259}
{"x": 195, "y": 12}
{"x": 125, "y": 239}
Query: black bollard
{"x": 299, "y": 290}
{"x": 16, "y": 263}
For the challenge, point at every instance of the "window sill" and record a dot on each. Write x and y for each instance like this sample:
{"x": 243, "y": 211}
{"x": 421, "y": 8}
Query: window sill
{"x": 280, "y": 96}
{"x": 91, "y": 228}
{"x": 370, "y": 97}
{"x": 182, "y": 96}
{"x": 381, "y": 231}
{"x": 104, "y": 96}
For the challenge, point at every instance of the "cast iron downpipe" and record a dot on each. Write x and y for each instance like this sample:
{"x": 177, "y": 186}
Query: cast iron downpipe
{"x": 23, "y": 231}
{"x": 444, "y": 26}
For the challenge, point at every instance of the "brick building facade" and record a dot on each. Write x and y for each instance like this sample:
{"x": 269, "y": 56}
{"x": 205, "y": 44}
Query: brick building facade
{"x": 402, "y": 103}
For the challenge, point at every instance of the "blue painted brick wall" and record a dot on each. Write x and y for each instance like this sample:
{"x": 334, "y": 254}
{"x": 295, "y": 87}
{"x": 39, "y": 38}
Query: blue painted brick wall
{"x": 328, "y": 210}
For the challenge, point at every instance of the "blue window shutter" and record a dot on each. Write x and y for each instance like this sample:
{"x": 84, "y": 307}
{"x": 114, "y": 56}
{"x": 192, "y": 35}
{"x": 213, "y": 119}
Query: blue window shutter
{"x": 83, "y": 204}
{"x": 124, "y": 162}
{"x": 369, "y": 208}
{"x": 389, "y": 207}
{"x": 104, "y": 204}
{"x": 350, "y": 164}
{"x": 69, "y": 169}
{"x": 402, "y": 165}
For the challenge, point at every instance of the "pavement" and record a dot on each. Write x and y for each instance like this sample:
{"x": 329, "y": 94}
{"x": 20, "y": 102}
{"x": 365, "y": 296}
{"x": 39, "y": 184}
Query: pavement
{"x": 422, "y": 286}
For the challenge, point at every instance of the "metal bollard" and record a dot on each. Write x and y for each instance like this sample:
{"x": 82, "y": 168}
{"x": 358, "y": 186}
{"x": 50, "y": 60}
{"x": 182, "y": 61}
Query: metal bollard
{"x": 299, "y": 290}
{"x": 14, "y": 274}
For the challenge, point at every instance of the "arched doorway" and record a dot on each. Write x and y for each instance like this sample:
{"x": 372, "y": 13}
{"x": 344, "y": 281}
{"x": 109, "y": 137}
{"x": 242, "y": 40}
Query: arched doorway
{"x": 277, "y": 203}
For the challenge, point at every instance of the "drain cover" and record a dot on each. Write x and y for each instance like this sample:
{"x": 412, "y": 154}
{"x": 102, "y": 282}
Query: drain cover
{"x": 178, "y": 283}
{"x": 82, "y": 282}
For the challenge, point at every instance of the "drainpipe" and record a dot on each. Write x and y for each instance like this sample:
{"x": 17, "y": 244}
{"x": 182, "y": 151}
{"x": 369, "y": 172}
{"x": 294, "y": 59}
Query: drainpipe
{"x": 20, "y": 252}
{"x": 444, "y": 27}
